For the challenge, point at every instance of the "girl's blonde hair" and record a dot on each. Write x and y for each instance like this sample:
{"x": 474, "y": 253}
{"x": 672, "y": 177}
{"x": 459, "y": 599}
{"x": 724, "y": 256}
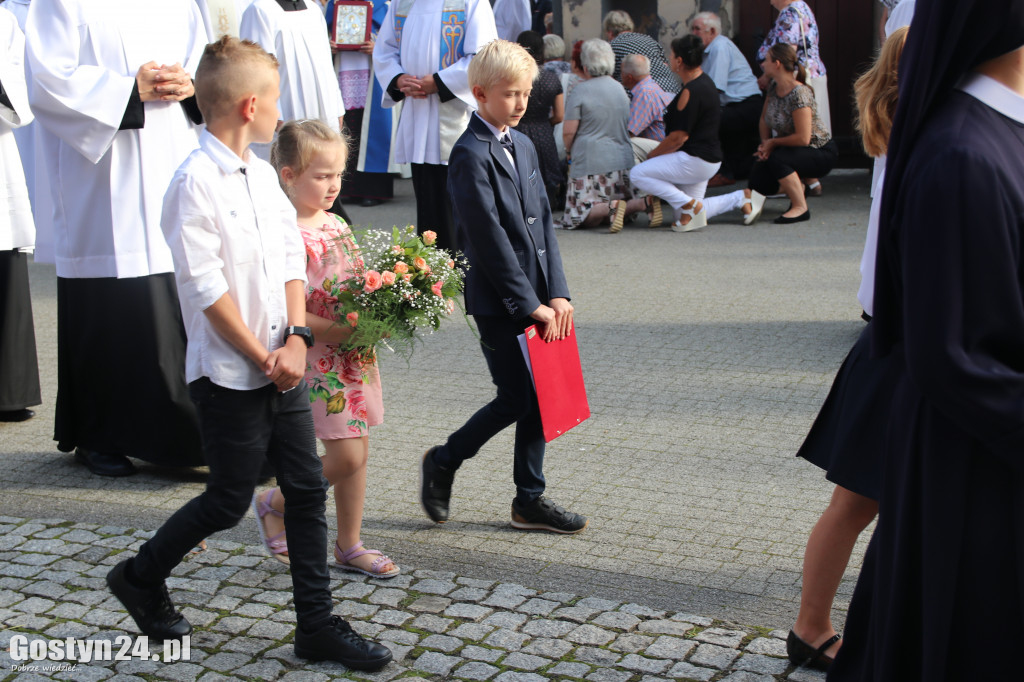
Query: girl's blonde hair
{"x": 298, "y": 143}
{"x": 876, "y": 93}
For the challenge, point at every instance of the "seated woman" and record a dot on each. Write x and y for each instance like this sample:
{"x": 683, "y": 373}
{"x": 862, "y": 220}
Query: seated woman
{"x": 596, "y": 140}
{"x": 544, "y": 110}
{"x": 794, "y": 143}
{"x": 678, "y": 169}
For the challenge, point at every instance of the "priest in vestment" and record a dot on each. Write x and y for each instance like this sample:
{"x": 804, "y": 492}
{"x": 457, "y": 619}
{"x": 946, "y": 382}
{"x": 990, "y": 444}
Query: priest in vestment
{"x": 222, "y": 17}
{"x": 19, "y": 369}
{"x": 111, "y": 91}
{"x": 420, "y": 59}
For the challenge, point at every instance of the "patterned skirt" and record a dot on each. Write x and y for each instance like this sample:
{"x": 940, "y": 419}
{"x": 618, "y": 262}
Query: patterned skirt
{"x": 583, "y": 193}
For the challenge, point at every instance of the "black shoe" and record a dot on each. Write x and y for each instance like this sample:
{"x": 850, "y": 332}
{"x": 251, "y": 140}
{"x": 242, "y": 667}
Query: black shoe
{"x": 544, "y": 514}
{"x": 802, "y": 653}
{"x": 435, "y": 487}
{"x": 104, "y": 464}
{"x": 370, "y": 201}
{"x": 783, "y": 220}
{"x": 337, "y": 641}
{"x": 16, "y": 415}
{"x": 150, "y": 608}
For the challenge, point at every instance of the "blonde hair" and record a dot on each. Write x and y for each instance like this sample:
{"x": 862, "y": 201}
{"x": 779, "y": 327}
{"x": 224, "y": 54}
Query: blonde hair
{"x": 298, "y": 143}
{"x": 230, "y": 70}
{"x": 500, "y": 60}
{"x": 876, "y": 93}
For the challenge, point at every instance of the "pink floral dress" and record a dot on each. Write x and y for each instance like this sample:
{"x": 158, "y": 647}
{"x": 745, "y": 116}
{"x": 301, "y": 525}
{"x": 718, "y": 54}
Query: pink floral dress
{"x": 356, "y": 400}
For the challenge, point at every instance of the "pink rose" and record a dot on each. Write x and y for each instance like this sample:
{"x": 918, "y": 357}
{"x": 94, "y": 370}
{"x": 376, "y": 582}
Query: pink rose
{"x": 420, "y": 263}
{"x": 373, "y": 281}
{"x": 401, "y": 268}
{"x": 357, "y": 404}
{"x": 353, "y": 318}
{"x": 324, "y": 365}
{"x": 451, "y": 264}
{"x": 406, "y": 278}
{"x": 429, "y": 237}
{"x": 348, "y": 368}
{"x": 450, "y": 305}
{"x": 436, "y": 288}
{"x": 397, "y": 249}
{"x": 387, "y": 278}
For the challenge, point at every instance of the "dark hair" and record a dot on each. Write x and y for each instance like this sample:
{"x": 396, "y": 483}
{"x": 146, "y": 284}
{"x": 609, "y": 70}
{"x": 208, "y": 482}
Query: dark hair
{"x": 533, "y": 43}
{"x": 690, "y": 49}
{"x": 577, "y": 50}
{"x": 785, "y": 54}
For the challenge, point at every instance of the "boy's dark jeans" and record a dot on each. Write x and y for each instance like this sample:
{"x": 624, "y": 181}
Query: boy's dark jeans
{"x": 515, "y": 403}
{"x": 239, "y": 429}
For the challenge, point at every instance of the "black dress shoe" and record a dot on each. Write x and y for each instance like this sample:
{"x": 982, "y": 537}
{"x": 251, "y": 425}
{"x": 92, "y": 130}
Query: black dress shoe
{"x": 150, "y": 608}
{"x": 16, "y": 415}
{"x": 370, "y": 201}
{"x": 802, "y": 653}
{"x": 337, "y": 641}
{"x": 435, "y": 487}
{"x": 545, "y": 514}
{"x": 783, "y": 220}
{"x": 105, "y": 464}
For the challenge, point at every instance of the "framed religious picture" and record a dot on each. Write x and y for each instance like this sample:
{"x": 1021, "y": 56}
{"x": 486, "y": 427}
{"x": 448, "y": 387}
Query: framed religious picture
{"x": 352, "y": 23}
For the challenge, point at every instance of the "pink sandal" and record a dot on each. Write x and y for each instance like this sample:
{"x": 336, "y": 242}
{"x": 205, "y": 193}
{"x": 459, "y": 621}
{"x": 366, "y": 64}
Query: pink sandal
{"x": 342, "y": 560}
{"x": 277, "y": 546}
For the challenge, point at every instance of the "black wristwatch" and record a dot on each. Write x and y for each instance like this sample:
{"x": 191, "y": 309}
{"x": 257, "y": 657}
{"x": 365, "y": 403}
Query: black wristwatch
{"x": 304, "y": 332}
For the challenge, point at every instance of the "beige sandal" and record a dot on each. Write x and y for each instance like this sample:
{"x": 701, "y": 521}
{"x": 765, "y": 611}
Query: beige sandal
{"x": 619, "y": 216}
{"x": 654, "y": 210}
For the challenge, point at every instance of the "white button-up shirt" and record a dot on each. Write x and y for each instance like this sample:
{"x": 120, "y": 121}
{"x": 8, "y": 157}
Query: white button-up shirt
{"x": 231, "y": 230}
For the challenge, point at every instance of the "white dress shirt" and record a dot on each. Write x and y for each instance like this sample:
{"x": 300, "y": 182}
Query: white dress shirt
{"x": 231, "y": 230}
{"x": 500, "y": 134}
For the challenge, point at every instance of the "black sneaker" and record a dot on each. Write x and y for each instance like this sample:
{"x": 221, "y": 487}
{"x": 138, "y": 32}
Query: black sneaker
{"x": 435, "y": 487}
{"x": 544, "y": 514}
{"x": 150, "y": 608}
{"x": 337, "y": 641}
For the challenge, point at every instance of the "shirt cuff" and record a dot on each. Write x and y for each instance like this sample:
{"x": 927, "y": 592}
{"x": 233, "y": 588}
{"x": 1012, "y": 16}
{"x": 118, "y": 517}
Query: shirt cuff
{"x": 202, "y": 292}
{"x": 393, "y": 92}
{"x": 191, "y": 107}
{"x": 135, "y": 113}
{"x": 442, "y": 90}
{"x": 4, "y": 99}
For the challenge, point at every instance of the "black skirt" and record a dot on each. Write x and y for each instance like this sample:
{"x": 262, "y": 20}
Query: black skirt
{"x": 121, "y": 370}
{"x": 19, "y": 369}
{"x": 357, "y": 183}
{"x": 848, "y": 435}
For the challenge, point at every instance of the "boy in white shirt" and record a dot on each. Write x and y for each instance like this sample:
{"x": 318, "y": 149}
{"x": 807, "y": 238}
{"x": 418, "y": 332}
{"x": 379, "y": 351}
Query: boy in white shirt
{"x": 240, "y": 268}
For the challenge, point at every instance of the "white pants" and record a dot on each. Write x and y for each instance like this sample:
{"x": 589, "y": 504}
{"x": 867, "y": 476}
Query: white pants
{"x": 723, "y": 203}
{"x": 676, "y": 178}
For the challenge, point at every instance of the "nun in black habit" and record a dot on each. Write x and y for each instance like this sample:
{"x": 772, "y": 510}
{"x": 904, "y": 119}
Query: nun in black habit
{"x": 948, "y": 550}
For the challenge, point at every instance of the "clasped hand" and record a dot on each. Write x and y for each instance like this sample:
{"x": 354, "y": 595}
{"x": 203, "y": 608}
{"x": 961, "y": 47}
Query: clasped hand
{"x": 556, "y": 318}
{"x": 764, "y": 150}
{"x": 164, "y": 83}
{"x": 415, "y": 87}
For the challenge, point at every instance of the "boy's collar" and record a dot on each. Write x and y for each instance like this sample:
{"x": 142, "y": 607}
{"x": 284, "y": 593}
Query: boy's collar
{"x": 226, "y": 160}
{"x": 498, "y": 133}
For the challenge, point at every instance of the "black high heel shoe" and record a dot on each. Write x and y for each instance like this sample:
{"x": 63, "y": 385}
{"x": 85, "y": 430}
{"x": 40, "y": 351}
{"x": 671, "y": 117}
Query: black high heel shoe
{"x": 802, "y": 653}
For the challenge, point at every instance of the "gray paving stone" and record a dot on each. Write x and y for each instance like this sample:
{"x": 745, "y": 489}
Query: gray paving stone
{"x": 569, "y": 669}
{"x": 537, "y": 607}
{"x": 399, "y": 636}
{"x": 580, "y": 614}
{"x": 599, "y": 604}
{"x": 549, "y": 648}
{"x": 768, "y": 646}
{"x": 254, "y": 610}
{"x": 518, "y": 659}
{"x": 181, "y": 672}
{"x": 765, "y": 665}
{"x": 511, "y": 676}
{"x": 475, "y": 670}
{"x": 354, "y": 609}
{"x": 442, "y": 643}
{"x": 608, "y": 675}
{"x": 503, "y": 638}
{"x": 504, "y": 619}
{"x": 436, "y": 664}
{"x": 399, "y": 652}
{"x": 692, "y": 618}
{"x": 472, "y": 631}
{"x": 588, "y": 654}
{"x": 473, "y": 612}
{"x": 560, "y": 597}
{"x": 387, "y": 596}
{"x": 806, "y": 675}
{"x": 504, "y": 600}
{"x": 514, "y": 588}
{"x": 198, "y": 617}
{"x": 391, "y": 617}
{"x": 247, "y": 645}
{"x": 432, "y": 623}
{"x": 132, "y": 667}
{"x": 670, "y": 647}
{"x": 432, "y": 586}
{"x": 479, "y": 653}
{"x": 721, "y": 637}
{"x": 631, "y": 643}
{"x": 714, "y": 656}
{"x": 368, "y": 630}
{"x": 275, "y": 597}
{"x": 665, "y": 627}
{"x": 687, "y": 671}
{"x": 69, "y": 629}
{"x": 617, "y": 620}
{"x": 304, "y": 676}
{"x": 353, "y": 591}
{"x": 744, "y": 676}
{"x": 430, "y": 604}
{"x": 223, "y": 602}
{"x": 45, "y": 588}
{"x": 468, "y": 594}
{"x": 234, "y": 625}
{"x": 474, "y": 582}
{"x": 226, "y": 662}
{"x": 548, "y": 628}
{"x": 424, "y": 574}
{"x": 590, "y": 634}
{"x": 34, "y": 605}
{"x": 641, "y": 611}
{"x": 644, "y": 665}
{"x": 260, "y": 670}
{"x": 85, "y": 673}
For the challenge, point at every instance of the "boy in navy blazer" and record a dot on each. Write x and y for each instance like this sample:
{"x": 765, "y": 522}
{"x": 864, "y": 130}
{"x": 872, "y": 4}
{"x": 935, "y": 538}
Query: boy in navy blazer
{"x": 515, "y": 279}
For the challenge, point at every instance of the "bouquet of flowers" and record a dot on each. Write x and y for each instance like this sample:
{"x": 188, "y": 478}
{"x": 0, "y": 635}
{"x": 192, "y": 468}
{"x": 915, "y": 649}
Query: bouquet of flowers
{"x": 401, "y": 287}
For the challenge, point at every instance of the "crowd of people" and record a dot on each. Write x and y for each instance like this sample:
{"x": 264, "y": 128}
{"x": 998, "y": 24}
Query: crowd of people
{"x": 182, "y": 252}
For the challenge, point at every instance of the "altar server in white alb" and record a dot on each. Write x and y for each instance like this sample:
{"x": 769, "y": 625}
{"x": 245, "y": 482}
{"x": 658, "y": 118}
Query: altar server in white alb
{"x": 421, "y": 56}
{"x": 19, "y": 371}
{"x": 110, "y": 89}
{"x": 294, "y": 31}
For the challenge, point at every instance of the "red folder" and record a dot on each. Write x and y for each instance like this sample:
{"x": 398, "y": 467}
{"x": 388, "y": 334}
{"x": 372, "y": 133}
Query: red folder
{"x": 558, "y": 378}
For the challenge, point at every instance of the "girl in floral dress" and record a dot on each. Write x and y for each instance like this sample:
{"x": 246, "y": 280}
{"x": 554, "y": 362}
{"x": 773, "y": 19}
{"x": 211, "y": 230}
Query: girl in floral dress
{"x": 310, "y": 158}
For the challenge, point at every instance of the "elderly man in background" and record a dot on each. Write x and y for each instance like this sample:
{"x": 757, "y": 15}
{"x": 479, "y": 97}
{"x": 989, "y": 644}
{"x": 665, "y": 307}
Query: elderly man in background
{"x": 618, "y": 27}
{"x": 738, "y": 94}
{"x": 647, "y": 105}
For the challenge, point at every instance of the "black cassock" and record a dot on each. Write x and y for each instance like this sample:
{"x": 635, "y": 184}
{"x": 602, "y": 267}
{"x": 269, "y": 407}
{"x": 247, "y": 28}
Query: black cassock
{"x": 948, "y": 551}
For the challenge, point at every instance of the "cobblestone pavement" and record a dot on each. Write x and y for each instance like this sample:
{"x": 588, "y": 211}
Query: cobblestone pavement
{"x": 706, "y": 356}
{"x": 437, "y": 624}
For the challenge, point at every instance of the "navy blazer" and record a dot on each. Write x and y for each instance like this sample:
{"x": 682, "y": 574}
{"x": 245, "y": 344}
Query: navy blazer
{"x": 504, "y": 228}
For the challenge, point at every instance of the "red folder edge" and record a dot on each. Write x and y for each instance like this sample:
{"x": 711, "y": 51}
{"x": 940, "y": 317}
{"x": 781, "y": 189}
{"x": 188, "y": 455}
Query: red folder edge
{"x": 558, "y": 378}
